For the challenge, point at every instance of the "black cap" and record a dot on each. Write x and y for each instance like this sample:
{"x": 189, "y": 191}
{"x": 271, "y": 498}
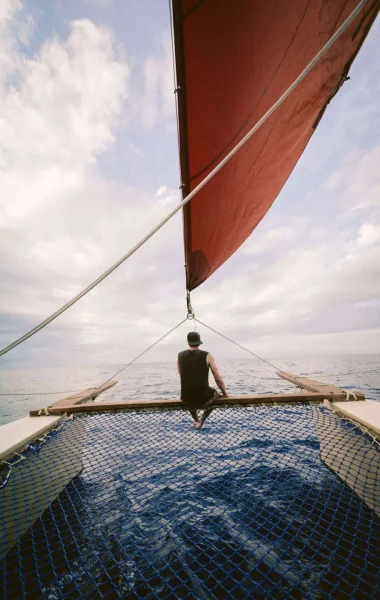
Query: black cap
{"x": 194, "y": 339}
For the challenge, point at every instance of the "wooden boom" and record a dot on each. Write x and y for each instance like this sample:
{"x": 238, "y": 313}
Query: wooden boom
{"x": 75, "y": 400}
{"x": 317, "y": 386}
{"x": 316, "y": 393}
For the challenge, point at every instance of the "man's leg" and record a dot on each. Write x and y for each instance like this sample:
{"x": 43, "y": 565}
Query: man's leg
{"x": 209, "y": 407}
{"x": 194, "y": 414}
{"x": 206, "y": 413}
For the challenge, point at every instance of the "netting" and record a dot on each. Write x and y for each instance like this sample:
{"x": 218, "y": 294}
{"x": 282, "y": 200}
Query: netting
{"x": 155, "y": 509}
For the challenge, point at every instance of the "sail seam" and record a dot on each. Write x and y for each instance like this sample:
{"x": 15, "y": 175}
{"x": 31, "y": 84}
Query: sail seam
{"x": 193, "y": 9}
{"x": 238, "y": 132}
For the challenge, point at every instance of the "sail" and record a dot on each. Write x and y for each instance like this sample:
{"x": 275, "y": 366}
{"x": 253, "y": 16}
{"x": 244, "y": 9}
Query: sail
{"x": 234, "y": 59}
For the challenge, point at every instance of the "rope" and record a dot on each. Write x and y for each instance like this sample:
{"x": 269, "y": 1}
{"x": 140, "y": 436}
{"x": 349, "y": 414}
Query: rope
{"x": 107, "y": 380}
{"x": 142, "y": 353}
{"x": 158, "y": 507}
{"x": 240, "y": 346}
{"x": 176, "y": 88}
{"x": 212, "y": 174}
{"x": 39, "y": 393}
{"x": 278, "y": 368}
{"x": 191, "y": 316}
{"x": 78, "y": 391}
{"x": 369, "y": 432}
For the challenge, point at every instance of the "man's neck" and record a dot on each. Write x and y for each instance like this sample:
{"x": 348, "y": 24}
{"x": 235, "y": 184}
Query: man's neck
{"x": 192, "y": 348}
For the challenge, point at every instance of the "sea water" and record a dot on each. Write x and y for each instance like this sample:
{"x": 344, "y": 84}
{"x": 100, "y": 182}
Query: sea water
{"x": 244, "y": 507}
{"x": 158, "y": 381}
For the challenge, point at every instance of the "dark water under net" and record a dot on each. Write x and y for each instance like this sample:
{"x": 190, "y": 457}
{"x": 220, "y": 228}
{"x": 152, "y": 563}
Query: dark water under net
{"x": 243, "y": 509}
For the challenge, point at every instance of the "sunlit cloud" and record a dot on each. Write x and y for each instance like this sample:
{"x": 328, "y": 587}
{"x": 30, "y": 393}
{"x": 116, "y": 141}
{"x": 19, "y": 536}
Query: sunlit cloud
{"x": 308, "y": 279}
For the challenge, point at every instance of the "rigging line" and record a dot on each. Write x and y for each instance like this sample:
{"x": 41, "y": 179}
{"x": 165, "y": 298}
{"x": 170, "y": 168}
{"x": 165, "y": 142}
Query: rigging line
{"x": 277, "y": 368}
{"x": 99, "y": 386}
{"x": 78, "y": 391}
{"x": 242, "y": 347}
{"x": 259, "y": 123}
{"x": 145, "y": 351}
{"x": 176, "y": 90}
{"x": 107, "y": 380}
{"x": 39, "y": 393}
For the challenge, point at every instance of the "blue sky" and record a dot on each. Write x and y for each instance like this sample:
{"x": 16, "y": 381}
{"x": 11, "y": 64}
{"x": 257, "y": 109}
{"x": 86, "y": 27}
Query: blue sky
{"x": 89, "y": 162}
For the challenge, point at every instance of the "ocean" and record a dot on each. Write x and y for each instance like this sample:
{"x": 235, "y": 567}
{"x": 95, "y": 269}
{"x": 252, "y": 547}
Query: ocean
{"x": 243, "y": 509}
{"x": 160, "y": 380}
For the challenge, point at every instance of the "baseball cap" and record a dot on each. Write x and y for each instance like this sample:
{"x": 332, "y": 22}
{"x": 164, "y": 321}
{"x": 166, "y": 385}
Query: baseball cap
{"x": 194, "y": 339}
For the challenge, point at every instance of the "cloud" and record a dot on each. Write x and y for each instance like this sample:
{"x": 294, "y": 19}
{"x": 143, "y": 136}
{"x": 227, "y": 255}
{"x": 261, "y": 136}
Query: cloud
{"x": 156, "y": 103}
{"x": 101, "y": 3}
{"x": 58, "y": 112}
{"x": 274, "y": 238}
{"x": 358, "y": 178}
{"x": 369, "y": 235}
{"x": 299, "y": 279}
{"x": 57, "y": 117}
{"x": 306, "y": 282}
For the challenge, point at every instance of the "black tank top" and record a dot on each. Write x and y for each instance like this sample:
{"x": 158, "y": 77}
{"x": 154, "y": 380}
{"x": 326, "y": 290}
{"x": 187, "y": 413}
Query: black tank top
{"x": 194, "y": 376}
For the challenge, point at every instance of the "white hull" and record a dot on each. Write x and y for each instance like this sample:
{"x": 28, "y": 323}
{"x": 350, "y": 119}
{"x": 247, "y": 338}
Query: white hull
{"x": 351, "y": 453}
{"x": 34, "y": 483}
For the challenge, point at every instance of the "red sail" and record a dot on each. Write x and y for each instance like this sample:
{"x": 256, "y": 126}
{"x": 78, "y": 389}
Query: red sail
{"x": 234, "y": 59}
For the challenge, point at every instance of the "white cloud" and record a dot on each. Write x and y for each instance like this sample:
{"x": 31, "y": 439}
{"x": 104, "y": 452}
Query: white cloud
{"x": 292, "y": 283}
{"x": 369, "y": 235}
{"x": 58, "y": 112}
{"x": 272, "y": 239}
{"x": 323, "y": 344}
{"x": 134, "y": 150}
{"x": 101, "y": 3}
{"x": 167, "y": 196}
{"x": 358, "y": 179}
{"x": 301, "y": 284}
{"x": 157, "y": 102}
{"x": 57, "y": 118}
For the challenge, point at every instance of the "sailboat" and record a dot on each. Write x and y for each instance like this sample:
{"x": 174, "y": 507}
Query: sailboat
{"x": 253, "y": 80}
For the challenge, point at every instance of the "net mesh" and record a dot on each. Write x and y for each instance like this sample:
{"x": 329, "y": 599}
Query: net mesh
{"x": 147, "y": 507}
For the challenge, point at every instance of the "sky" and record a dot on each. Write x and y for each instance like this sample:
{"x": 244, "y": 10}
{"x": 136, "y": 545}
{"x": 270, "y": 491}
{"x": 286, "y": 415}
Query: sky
{"x": 89, "y": 163}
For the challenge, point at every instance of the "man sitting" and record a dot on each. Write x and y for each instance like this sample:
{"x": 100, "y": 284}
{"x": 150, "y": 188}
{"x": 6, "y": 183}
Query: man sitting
{"x": 193, "y": 367}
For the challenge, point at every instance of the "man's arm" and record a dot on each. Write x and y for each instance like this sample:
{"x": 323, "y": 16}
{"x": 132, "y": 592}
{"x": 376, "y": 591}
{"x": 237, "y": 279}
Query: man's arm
{"x": 217, "y": 376}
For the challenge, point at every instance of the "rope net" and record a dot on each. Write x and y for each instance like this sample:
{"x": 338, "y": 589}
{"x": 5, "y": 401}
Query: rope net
{"x": 147, "y": 507}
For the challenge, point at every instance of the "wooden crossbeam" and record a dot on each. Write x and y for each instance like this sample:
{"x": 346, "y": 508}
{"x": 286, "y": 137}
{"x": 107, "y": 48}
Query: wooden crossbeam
{"x": 316, "y": 392}
{"x": 251, "y": 400}
{"x": 75, "y": 400}
{"x": 318, "y": 387}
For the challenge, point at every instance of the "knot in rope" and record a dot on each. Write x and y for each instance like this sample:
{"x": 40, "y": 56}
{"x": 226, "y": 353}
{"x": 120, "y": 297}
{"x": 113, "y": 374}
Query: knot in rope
{"x": 190, "y": 311}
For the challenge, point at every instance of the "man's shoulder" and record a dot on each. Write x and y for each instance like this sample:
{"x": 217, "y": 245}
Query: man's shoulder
{"x": 206, "y": 355}
{"x": 180, "y": 354}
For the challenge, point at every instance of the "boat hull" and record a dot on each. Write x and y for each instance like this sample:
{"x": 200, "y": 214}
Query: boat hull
{"x": 352, "y": 454}
{"x": 37, "y": 480}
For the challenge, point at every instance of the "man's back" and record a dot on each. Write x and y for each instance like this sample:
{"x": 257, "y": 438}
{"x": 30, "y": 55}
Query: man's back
{"x": 193, "y": 366}
{"x": 194, "y": 370}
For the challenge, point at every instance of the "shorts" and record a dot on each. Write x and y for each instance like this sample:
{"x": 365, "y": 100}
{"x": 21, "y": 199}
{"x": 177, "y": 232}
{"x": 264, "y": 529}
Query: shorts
{"x": 213, "y": 395}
